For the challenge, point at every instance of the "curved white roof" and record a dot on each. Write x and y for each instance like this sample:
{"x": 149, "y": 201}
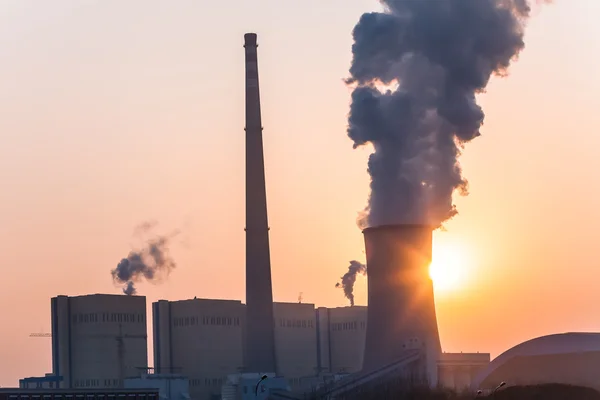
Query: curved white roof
{"x": 560, "y": 343}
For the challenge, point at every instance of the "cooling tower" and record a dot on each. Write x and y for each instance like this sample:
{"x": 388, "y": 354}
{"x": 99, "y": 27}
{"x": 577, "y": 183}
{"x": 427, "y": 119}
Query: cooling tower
{"x": 401, "y": 312}
{"x": 260, "y": 334}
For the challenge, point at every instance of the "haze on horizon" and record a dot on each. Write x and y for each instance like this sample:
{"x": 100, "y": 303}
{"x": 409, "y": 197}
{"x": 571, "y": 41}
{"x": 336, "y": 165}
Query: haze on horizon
{"x": 113, "y": 113}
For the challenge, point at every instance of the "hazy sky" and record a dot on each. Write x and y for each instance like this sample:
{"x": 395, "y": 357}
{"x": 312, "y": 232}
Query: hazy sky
{"x": 115, "y": 112}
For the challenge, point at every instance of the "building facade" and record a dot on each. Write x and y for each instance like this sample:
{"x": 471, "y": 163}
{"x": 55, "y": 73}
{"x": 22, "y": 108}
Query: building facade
{"x": 458, "y": 370}
{"x": 567, "y": 358}
{"x": 78, "y": 394}
{"x": 98, "y": 340}
{"x": 341, "y": 339}
{"x": 295, "y": 341}
{"x": 48, "y": 381}
{"x": 201, "y": 339}
{"x": 170, "y": 386}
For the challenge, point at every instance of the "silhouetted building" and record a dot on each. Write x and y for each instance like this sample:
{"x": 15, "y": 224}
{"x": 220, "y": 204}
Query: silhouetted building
{"x": 458, "y": 370}
{"x": 203, "y": 339}
{"x": 341, "y": 339}
{"x": 568, "y": 358}
{"x": 98, "y": 340}
{"x": 78, "y": 394}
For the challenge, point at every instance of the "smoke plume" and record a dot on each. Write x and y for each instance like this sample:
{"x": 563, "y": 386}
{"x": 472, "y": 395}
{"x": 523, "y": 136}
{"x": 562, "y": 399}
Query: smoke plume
{"x": 152, "y": 262}
{"x": 349, "y": 279}
{"x": 431, "y": 58}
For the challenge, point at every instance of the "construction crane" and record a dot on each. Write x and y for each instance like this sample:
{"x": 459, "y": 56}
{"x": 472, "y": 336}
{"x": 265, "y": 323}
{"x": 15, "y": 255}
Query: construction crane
{"x": 40, "y": 334}
{"x": 117, "y": 337}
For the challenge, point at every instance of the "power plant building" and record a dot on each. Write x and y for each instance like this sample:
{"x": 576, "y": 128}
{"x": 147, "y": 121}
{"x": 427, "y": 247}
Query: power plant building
{"x": 569, "y": 358}
{"x": 459, "y": 371}
{"x": 200, "y": 338}
{"x": 341, "y": 339}
{"x": 203, "y": 339}
{"x": 98, "y": 340}
{"x": 295, "y": 341}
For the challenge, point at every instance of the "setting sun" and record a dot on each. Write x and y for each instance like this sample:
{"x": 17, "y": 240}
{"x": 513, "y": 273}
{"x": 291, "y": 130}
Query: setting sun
{"x": 449, "y": 264}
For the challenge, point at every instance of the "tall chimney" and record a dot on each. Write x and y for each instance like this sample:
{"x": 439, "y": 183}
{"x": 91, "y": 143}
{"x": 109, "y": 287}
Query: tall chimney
{"x": 260, "y": 335}
{"x": 401, "y": 310}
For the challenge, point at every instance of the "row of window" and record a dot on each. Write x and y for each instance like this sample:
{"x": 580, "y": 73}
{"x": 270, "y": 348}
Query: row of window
{"x": 39, "y": 385}
{"x": 295, "y": 323}
{"x": 206, "y": 320}
{"x": 294, "y": 381}
{"x": 108, "y": 317}
{"x": 207, "y": 382}
{"x": 89, "y": 383}
{"x": 346, "y": 326}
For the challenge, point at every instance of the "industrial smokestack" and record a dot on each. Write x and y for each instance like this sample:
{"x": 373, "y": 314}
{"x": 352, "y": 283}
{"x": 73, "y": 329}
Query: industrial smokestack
{"x": 260, "y": 334}
{"x": 401, "y": 312}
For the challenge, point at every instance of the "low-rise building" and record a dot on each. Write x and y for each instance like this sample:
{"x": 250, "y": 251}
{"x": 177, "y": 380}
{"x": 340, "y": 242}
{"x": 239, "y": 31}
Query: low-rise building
{"x": 200, "y": 338}
{"x": 170, "y": 386}
{"x": 341, "y": 339}
{"x": 78, "y": 394}
{"x": 98, "y": 340}
{"x": 49, "y": 381}
{"x": 457, "y": 371}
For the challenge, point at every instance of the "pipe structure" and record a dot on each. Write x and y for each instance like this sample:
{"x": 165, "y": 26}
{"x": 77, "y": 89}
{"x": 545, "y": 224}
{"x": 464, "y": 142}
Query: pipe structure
{"x": 401, "y": 310}
{"x": 260, "y": 334}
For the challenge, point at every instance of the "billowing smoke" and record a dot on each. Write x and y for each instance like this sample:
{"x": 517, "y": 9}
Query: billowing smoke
{"x": 349, "y": 279}
{"x": 431, "y": 58}
{"x": 152, "y": 262}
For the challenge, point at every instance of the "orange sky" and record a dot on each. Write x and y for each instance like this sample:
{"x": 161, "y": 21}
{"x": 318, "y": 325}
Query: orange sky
{"x": 112, "y": 114}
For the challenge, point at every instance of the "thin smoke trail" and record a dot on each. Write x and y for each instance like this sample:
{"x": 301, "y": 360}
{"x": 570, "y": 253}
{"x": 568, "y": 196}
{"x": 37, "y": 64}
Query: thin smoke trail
{"x": 349, "y": 279}
{"x": 151, "y": 263}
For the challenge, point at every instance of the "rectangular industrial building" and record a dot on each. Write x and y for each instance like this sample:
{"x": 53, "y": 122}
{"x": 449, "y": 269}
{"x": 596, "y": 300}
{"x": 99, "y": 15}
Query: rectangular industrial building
{"x": 98, "y": 340}
{"x": 341, "y": 337}
{"x": 458, "y": 370}
{"x": 295, "y": 341}
{"x": 201, "y": 339}
{"x": 204, "y": 340}
{"x": 78, "y": 394}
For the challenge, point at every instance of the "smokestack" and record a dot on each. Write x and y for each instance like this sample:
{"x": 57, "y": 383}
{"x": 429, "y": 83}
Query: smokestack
{"x": 401, "y": 310}
{"x": 260, "y": 335}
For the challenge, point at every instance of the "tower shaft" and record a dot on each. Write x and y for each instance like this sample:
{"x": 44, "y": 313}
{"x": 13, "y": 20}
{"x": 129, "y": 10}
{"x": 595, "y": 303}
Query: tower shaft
{"x": 260, "y": 335}
{"x": 401, "y": 314}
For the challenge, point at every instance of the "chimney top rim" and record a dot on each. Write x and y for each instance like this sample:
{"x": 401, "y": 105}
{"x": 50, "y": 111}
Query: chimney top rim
{"x": 250, "y": 39}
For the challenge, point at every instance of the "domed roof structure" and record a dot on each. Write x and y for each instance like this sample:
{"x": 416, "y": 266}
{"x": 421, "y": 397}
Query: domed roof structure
{"x": 571, "y": 358}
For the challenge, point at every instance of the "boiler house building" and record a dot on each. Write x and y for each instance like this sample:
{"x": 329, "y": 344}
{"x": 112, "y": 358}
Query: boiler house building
{"x": 204, "y": 340}
{"x": 98, "y": 340}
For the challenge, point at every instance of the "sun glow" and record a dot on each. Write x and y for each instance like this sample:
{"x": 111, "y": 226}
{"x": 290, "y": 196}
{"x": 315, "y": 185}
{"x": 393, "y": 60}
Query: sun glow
{"x": 449, "y": 265}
